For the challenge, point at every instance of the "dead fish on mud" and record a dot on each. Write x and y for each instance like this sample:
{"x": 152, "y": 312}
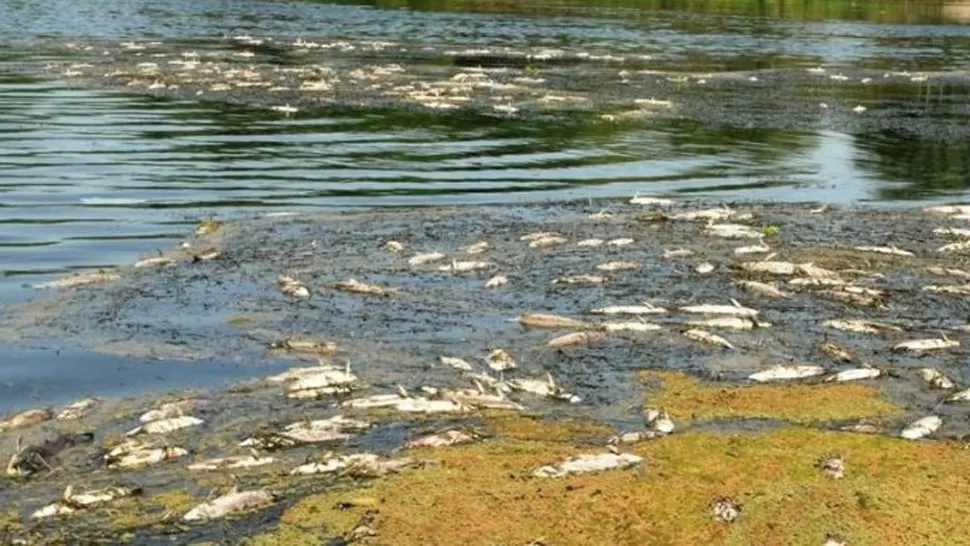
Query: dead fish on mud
{"x": 618, "y": 266}
{"x": 478, "y": 248}
{"x": 733, "y": 231}
{"x": 949, "y": 210}
{"x": 765, "y": 266}
{"x": 587, "y": 243}
{"x": 304, "y": 346}
{"x": 715, "y": 214}
{"x": 456, "y": 363}
{"x": 357, "y": 465}
{"x": 580, "y": 279}
{"x": 955, "y": 247}
{"x": 736, "y": 309}
{"x": 850, "y": 297}
{"x": 786, "y": 373}
{"x": 832, "y": 466}
{"x": 949, "y": 289}
{"x": 336, "y": 428}
{"x": 630, "y": 326}
{"x": 155, "y": 261}
{"x": 232, "y": 462}
{"x": 759, "y": 248}
{"x": 648, "y": 200}
{"x": 575, "y": 338}
{"x": 860, "y": 326}
{"x": 496, "y": 281}
{"x": 34, "y": 458}
{"x": 80, "y": 280}
{"x": 544, "y": 239}
{"x": 292, "y": 287}
{"x": 72, "y": 502}
{"x": 936, "y": 378}
{"x": 762, "y": 289}
{"x": 890, "y": 250}
{"x": 584, "y": 464}
{"x": 164, "y": 426}
{"x": 659, "y": 420}
{"x": 172, "y": 409}
{"x": 704, "y": 268}
{"x": 393, "y": 246}
{"x": 500, "y": 360}
{"x": 948, "y": 272}
{"x": 356, "y": 287}
{"x": 464, "y": 267}
{"x": 140, "y": 455}
{"x": 677, "y": 253}
{"x": 548, "y": 388}
{"x": 923, "y": 345}
{"x": 702, "y": 336}
{"x": 835, "y": 352}
{"x": 854, "y": 374}
{"x": 326, "y": 380}
{"x": 730, "y": 323}
{"x": 26, "y": 419}
{"x": 922, "y": 427}
{"x": 479, "y": 398}
{"x": 233, "y": 502}
{"x": 726, "y": 509}
{"x": 442, "y": 439}
{"x": 539, "y": 320}
{"x": 960, "y": 396}
{"x": 77, "y": 409}
{"x": 426, "y": 258}
{"x": 645, "y": 309}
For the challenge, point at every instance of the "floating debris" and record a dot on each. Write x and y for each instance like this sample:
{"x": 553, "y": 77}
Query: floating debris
{"x": 356, "y": 287}
{"x": 80, "y": 280}
{"x": 426, "y": 258}
{"x": 936, "y": 378}
{"x": 539, "y": 320}
{"x": 231, "y": 503}
{"x": 617, "y": 266}
{"x": 172, "y": 409}
{"x": 156, "y": 261}
{"x": 548, "y": 388}
{"x": 726, "y": 509}
{"x": 292, "y": 287}
{"x": 496, "y": 281}
{"x": 31, "y": 459}
{"x": 645, "y": 309}
{"x": 26, "y": 419}
{"x": 442, "y": 439}
{"x": 394, "y": 246}
{"x": 922, "y": 427}
{"x": 142, "y": 456}
{"x": 924, "y": 345}
{"x": 575, "y": 338}
{"x": 77, "y": 409}
{"x": 891, "y": 250}
{"x": 233, "y": 462}
{"x": 456, "y": 363}
{"x": 500, "y": 360}
{"x": 854, "y": 374}
{"x": 584, "y": 464}
{"x": 164, "y": 426}
{"x": 72, "y": 502}
{"x": 832, "y": 466}
{"x": 707, "y": 337}
{"x": 735, "y": 309}
{"x": 304, "y": 346}
{"x": 580, "y": 279}
{"x": 704, "y": 268}
{"x": 785, "y": 373}
{"x": 464, "y": 267}
{"x": 835, "y": 352}
{"x": 617, "y": 327}
{"x": 762, "y": 289}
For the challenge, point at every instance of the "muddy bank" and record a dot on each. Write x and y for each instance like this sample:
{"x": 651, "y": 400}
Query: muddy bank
{"x": 809, "y": 286}
{"x": 611, "y": 87}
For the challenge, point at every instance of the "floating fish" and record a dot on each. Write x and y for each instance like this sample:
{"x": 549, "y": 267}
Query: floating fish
{"x": 500, "y": 360}
{"x": 426, "y": 258}
{"x": 584, "y": 464}
{"x": 645, "y": 309}
{"x": 832, "y": 466}
{"x": 478, "y": 248}
{"x": 464, "y": 267}
{"x": 762, "y": 289}
{"x": 854, "y": 374}
{"x": 891, "y": 250}
{"x": 77, "y": 409}
{"x": 936, "y": 378}
{"x": 617, "y": 327}
{"x": 443, "y": 439}
{"x": 580, "y": 279}
{"x": 731, "y": 323}
{"x": 72, "y": 502}
{"x": 860, "y": 326}
{"x": 704, "y": 268}
{"x": 547, "y": 241}
{"x": 80, "y": 280}
{"x": 677, "y": 253}
{"x": 228, "y": 463}
{"x": 163, "y": 426}
{"x": 456, "y": 363}
{"x": 231, "y": 503}
{"x": 736, "y": 310}
{"x": 774, "y": 268}
{"x": 26, "y": 419}
{"x": 548, "y": 388}
{"x": 395, "y": 247}
{"x": 923, "y": 345}
{"x": 539, "y": 320}
{"x": 575, "y": 338}
{"x": 156, "y": 261}
{"x": 357, "y": 287}
{"x": 292, "y": 287}
{"x": 922, "y": 427}
{"x": 784, "y": 373}
{"x": 538, "y": 235}
{"x": 618, "y": 266}
{"x": 496, "y": 281}
{"x": 726, "y": 509}
{"x": 591, "y": 243}
{"x": 707, "y": 337}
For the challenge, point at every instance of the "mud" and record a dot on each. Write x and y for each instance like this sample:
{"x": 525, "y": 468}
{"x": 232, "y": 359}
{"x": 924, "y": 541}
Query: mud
{"x": 230, "y": 309}
{"x": 288, "y": 76}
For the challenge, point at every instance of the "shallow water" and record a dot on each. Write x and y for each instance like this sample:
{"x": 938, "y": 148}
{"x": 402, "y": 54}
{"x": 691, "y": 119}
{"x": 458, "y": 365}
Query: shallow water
{"x": 97, "y": 177}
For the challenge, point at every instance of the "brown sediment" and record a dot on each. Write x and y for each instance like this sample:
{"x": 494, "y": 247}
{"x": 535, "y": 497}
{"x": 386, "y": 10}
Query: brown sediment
{"x": 688, "y": 398}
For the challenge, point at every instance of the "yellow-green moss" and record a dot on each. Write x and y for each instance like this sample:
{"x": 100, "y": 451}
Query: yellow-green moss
{"x": 206, "y": 227}
{"x": 687, "y": 398}
{"x": 524, "y": 428}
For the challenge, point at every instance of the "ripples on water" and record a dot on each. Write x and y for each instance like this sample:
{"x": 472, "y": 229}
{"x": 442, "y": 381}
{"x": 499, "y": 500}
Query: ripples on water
{"x": 95, "y": 178}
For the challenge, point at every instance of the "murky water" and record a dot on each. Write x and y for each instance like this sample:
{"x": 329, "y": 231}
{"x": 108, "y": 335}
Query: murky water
{"x": 92, "y": 177}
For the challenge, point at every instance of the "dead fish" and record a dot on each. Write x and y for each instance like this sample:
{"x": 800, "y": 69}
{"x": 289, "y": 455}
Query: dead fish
{"x": 948, "y": 209}
{"x": 617, "y": 327}
{"x": 442, "y": 439}
{"x": 948, "y": 272}
{"x": 80, "y": 280}
{"x": 233, "y": 502}
{"x": 862, "y": 428}
{"x": 426, "y": 258}
{"x": 924, "y": 345}
{"x": 752, "y": 249}
{"x": 617, "y": 266}
{"x": 333, "y": 465}
{"x": 478, "y": 398}
{"x": 936, "y": 378}
{"x": 77, "y": 409}
{"x": 499, "y": 360}
{"x": 633, "y": 437}
{"x": 707, "y": 337}
{"x": 317, "y": 393}
{"x": 853, "y": 298}
{"x": 496, "y": 281}
{"x": 677, "y": 253}
{"x": 774, "y": 268}
{"x": 155, "y": 261}
{"x": 953, "y": 232}
{"x": 704, "y": 268}
{"x": 356, "y": 287}
{"x": 424, "y": 405}
{"x": 72, "y": 502}
{"x": 336, "y": 428}
{"x": 854, "y": 374}
{"x": 293, "y": 374}
{"x": 834, "y": 540}
{"x": 731, "y": 323}
{"x": 736, "y": 309}
{"x": 726, "y": 509}
{"x": 959, "y": 396}
{"x": 236, "y": 461}
{"x": 547, "y": 241}
{"x": 453, "y": 362}
{"x": 172, "y": 409}
{"x": 292, "y": 287}
{"x": 785, "y": 373}
{"x": 486, "y": 379}
{"x": 539, "y": 320}
{"x": 622, "y": 241}
{"x": 733, "y": 231}
{"x": 659, "y": 420}
{"x": 891, "y": 250}
{"x": 835, "y": 352}
{"x": 145, "y": 457}
{"x": 649, "y": 200}
{"x": 478, "y": 248}
{"x": 575, "y": 338}
{"x": 818, "y": 281}
{"x": 163, "y": 426}
{"x": 538, "y": 235}
{"x": 591, "y": 243}
{"x": 326, "y": 376}
{"x": 955, "y": 247}
{"x": 922, "y": 427}
{"x": 374, "y": 401}
{"x": 950, "y": 289}
{"x": 393, "y": 246}
{"x": 762, "y": 289}
{"x": 26, "y": 419}
{"x": 584, "y": 464}
{"x": 860, "y": 326}
{"x": 464, "y": 267}
{"x": 813, "y": 271}
{"x": 206, "y": 255}
{"x": 548, "y": 388}
{"x": 715, "y": 214}
{"x": 34, "y": 458}
{"x": 645, "y": 309}
{"x": 304, "y": 346}
{"x": 580, "y": 279}
{"x": 832, "y": 466}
